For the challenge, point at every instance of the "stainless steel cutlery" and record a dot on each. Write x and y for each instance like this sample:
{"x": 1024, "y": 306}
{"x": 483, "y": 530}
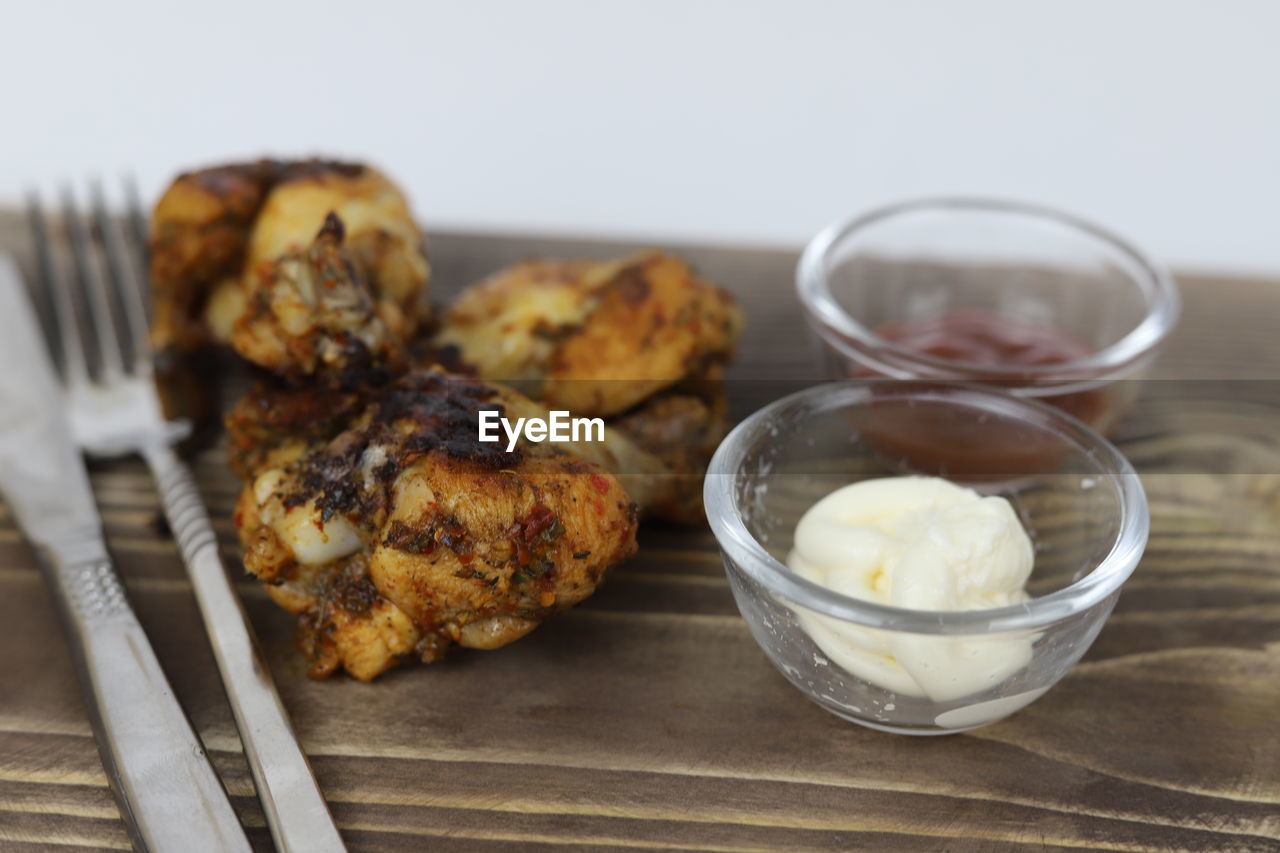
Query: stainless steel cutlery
{"x": 107, "y": 406}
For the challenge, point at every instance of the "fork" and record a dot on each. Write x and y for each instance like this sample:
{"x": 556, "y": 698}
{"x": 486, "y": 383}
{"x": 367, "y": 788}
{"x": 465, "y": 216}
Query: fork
{"x": 117, "y": 412}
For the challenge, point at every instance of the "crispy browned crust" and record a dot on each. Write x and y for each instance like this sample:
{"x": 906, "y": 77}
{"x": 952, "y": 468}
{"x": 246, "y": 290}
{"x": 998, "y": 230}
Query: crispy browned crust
{"x": 199, "y": 233}
{"x": 463, "y": 542}
{"x": 202, "y": 227}
{"x": 656, "y": 325}
{"x": 641, "y": 341}
{"x": 596, "y": 338}
{"x": 271, "y": 414}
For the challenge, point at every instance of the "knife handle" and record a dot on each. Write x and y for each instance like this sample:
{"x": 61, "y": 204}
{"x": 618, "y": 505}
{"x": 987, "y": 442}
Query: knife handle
{"x": 296, "y": 812}
{"x": 169, "y": 796}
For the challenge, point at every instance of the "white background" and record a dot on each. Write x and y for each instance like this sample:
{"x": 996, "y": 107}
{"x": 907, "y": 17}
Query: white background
{"x": 739, "y": 121}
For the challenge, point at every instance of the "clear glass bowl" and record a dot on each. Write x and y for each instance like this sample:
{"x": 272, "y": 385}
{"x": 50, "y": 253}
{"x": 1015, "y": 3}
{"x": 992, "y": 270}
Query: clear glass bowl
{"x": 1077, "y": 496}
{"x": 1034, "y": 266}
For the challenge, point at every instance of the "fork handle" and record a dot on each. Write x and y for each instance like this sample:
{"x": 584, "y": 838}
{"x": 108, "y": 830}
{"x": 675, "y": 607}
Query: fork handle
{"x": 295, "y": 810}
{"x": 169, "y": 796}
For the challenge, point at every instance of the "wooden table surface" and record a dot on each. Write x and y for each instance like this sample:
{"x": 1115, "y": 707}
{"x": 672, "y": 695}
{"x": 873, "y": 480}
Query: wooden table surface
{"x": 648, "y": 718}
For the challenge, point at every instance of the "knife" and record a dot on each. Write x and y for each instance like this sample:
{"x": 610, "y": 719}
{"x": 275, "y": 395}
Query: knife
{"x": 169, "y": 796}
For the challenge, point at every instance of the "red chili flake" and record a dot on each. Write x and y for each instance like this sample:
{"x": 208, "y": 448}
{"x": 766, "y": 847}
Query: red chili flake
{"x": 239, "y": 519}
{"x": 538, "y": 520}
{"x": 466, "y": 558}
{"x": 599, "y": 506}
{"x": 601, "y": 483}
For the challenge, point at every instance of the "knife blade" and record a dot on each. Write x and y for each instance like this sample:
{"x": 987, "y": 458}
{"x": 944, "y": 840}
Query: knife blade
{"x": 168, "y": 794}
{"x": 41, "y": 469}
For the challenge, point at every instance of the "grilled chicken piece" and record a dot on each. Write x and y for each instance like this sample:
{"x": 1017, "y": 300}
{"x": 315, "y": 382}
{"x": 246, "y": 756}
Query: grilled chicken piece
{"x": 380, "y": 233}
{"x": 403, "y": 534}
{"x": 213, "y": 226}
{"x": 641, "y": 341}
{"x": 593, "y": 338}
{"x": 312, "y": 314}
{"x": 272, "y": 420}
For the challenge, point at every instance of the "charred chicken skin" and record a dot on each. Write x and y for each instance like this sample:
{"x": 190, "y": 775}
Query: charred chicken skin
{"x": 403, "y": 534}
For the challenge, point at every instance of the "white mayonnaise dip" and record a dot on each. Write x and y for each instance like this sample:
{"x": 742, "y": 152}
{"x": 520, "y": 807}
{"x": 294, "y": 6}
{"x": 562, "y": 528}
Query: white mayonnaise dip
{"x": 920, "y": 543}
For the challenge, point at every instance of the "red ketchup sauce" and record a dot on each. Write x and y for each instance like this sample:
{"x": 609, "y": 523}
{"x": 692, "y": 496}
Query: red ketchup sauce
{"x": 943, "y": 441}
{"x": 985, "y": 340}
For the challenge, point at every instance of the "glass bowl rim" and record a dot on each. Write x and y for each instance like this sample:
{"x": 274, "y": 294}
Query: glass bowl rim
{"x": 744, "y": 550}
{"x": 813, "y": 287}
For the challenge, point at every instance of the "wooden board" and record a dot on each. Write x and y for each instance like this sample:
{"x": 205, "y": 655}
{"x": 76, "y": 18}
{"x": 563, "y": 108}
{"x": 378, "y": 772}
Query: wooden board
{"x": 648, "y": 718}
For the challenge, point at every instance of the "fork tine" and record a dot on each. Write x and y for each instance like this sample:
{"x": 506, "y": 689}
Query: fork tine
{"x": 91, "y": 281}
{"x": 38, "y": 288}
{"x": 138, "y": 226}
{"x": 123, "y": 273}
{"x": 75, "y": 370}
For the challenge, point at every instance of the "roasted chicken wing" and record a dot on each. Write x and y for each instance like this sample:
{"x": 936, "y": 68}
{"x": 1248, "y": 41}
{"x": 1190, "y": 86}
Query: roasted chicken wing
{"x": 641, "y": 341}
{"x": 214, "y": 226}
{"x": 596, "y": 338}
{"x": 404, "y": 534}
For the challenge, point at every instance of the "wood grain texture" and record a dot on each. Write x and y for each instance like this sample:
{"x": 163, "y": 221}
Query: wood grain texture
{"x": 647, "y": 718}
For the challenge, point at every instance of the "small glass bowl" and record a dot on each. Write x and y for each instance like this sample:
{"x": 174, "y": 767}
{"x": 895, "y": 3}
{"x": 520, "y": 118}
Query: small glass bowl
{"x": 1036, "y": 267}
{"x": 1077, "y": 496}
